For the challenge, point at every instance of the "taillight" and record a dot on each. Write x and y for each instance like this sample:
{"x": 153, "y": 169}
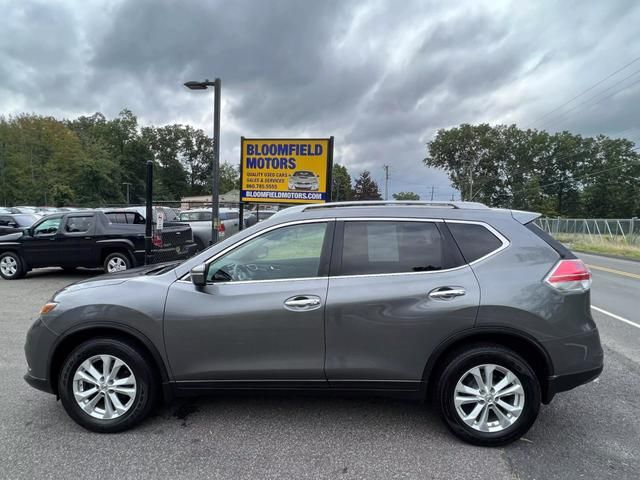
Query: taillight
{"x": 570, "y": 276}
{"x": 221, "y": 228}
{"x": 157, "y": 240}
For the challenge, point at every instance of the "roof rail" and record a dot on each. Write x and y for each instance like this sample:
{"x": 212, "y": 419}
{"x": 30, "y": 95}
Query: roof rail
{"x": 414, "y": 203}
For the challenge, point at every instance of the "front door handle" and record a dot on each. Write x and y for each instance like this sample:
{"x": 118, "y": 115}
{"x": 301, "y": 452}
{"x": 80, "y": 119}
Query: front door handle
{"x": 447, "y": 293}
{"x": 302, "y": 303}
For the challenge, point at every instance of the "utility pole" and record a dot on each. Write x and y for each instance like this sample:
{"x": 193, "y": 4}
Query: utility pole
{"x": 386, "y": 181}
{"x": 4, "y": 174}
{"x": 128, "y": 185}
{"x": 432, "y": 189}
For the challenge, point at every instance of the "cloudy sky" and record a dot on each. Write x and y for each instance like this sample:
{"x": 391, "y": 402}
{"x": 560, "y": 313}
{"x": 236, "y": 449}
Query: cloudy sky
{"x": 381, "y": 76}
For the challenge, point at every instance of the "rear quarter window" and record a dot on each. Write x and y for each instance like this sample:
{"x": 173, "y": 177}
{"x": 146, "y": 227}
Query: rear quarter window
{"x": 563, "y": 251}
{"x": 475, "y": 241}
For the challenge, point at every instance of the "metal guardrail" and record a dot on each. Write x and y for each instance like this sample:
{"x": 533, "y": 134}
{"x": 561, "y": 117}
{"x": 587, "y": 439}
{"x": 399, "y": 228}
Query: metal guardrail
{"x": 621, "y": 230}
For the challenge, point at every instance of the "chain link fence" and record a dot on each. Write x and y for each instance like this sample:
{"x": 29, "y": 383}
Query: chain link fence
{"x": 624, "y": 231}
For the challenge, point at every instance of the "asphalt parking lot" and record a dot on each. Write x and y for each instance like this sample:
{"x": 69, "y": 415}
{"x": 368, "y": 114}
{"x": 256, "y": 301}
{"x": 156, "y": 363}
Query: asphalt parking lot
{"x": 592, "y": 432}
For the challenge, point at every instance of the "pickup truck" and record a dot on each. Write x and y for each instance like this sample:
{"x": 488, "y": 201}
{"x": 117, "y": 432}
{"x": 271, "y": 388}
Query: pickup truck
{"x": 113, "y": 240}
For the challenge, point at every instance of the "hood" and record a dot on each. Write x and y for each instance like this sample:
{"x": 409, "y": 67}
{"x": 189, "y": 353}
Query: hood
{"x": 11, "y": 237}
{"x": 116, "y": 278}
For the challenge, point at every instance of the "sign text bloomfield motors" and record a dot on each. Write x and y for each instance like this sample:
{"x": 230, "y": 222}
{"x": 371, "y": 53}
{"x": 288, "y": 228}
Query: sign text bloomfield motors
{"x": 285, "y": 171}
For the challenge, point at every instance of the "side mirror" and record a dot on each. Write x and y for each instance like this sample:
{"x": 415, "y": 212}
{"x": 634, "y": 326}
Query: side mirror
{"x": 199, "y": 275}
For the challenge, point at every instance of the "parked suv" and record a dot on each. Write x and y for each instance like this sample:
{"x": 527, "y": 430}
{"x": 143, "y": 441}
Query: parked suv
{"x": 476, "y": 307}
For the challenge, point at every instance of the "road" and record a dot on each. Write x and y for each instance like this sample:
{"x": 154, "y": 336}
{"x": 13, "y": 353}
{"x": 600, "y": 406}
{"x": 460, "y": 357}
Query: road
{"x": 592, "y": 432}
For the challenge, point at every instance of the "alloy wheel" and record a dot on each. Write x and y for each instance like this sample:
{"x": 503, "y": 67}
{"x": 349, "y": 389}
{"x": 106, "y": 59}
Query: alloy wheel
{"x": 104, "y": 387}
{"x": 8, "y": 266}
{"x": 116, "y": 264}
{"x": 489, "y": 398}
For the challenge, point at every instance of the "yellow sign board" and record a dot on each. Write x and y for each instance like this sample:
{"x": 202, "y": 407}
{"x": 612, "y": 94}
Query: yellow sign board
{"x": 286, "y": 170}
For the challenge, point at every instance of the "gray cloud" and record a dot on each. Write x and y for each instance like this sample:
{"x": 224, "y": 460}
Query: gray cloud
{"x": 381, "y": 76}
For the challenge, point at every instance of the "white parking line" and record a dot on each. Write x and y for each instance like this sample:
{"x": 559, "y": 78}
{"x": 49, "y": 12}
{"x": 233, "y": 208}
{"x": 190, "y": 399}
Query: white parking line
{"x": 617, "y": 317}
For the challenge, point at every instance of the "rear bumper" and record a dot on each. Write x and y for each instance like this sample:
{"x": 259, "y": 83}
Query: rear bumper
{"x": 562, "y": 383}
{"x": 170, "y": 254}
{"x": 577, "y": 360}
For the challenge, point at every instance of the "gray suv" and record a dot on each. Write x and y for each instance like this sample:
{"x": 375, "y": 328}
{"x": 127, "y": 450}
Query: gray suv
{"x": 474, "y": 307}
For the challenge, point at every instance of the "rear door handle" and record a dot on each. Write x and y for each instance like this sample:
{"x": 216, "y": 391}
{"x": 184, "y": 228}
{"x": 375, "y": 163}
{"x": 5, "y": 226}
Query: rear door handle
{"x": 447, "y": 293}
{"x": 302, "y": 303}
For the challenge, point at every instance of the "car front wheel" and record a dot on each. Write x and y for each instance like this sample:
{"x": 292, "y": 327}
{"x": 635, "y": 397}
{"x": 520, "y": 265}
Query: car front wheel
{"x": 488, "y": 395}
{"x": 11, "y": 266}
{"x": 106, "y": 385}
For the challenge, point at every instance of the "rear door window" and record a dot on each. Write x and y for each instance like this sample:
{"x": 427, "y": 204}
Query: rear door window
{"x": 475, "y": 241}
{"x": 78, "y": 224}
{"x": 379, "y": 247}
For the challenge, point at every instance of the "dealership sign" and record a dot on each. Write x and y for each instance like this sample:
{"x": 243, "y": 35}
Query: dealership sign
{"x": 286, "y": 171}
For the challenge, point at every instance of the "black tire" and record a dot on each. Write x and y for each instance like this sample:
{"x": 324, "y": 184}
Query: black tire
{"x": 199, "y": 245}
{"x": 19, "y": 264}
{"x": 463, "y": 360}
{"x": 120, "y": 257}
{"x": 146, "y": 384}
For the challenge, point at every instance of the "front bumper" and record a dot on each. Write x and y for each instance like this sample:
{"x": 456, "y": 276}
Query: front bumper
{"x": 38, "y": 348}
{"x": 41, "y": 384}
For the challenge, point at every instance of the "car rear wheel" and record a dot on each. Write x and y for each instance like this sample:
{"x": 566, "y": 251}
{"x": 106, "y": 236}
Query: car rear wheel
{"x": 117, "y": 262}
{"x": 488, "y": 395}
{"x": 107, "y": 385}
{"x": 11, "y": 266}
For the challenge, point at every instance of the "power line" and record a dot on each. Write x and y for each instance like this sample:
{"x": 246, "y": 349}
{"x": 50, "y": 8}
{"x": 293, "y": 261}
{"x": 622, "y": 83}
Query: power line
{"x": 587, "y": 90}
{"x": 562, "y": 181}
{"x": 580, "y": 178}
{"x": 553, "y": 121}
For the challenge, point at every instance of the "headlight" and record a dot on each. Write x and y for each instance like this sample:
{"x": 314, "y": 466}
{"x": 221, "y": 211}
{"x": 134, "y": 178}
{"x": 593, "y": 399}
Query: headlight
{"x": 47, "y": 307}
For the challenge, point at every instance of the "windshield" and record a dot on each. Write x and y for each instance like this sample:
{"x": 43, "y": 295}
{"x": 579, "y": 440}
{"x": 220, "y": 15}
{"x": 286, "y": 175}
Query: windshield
{"x": 25, "y": 220}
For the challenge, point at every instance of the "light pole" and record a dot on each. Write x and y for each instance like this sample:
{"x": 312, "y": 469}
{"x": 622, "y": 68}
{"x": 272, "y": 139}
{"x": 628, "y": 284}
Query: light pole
{"x": 215, "y": 205}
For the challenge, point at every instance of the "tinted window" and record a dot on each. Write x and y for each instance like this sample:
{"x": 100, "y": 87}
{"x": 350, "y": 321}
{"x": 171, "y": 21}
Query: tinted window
{"x": 79, "y": 224}
{"x": 117, "y": 217}
{"x": 5, "y": 220}
{"x": 195, "y": 216}
{"x": 475, "y": 241}
{"x": 391, "y": 247}
{"x": 233, "y": 215}
{"x": 563, "y": 251}
{"x": 48, "y": 227}
{"x": 287, "y": 252}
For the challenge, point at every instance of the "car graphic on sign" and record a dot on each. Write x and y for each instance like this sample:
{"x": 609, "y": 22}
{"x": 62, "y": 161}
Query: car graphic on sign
{"x": 304, "y": 180}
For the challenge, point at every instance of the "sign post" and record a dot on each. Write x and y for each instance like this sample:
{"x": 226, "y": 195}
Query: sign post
{"x": 295, "y": 171}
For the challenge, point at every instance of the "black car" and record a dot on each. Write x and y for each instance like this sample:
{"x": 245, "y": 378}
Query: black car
{"x": 12, "y": 223}
{"x": 112, "y": 240}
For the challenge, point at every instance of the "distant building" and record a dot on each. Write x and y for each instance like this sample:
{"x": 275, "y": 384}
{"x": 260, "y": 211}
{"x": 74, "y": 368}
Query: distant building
{"x": 229, "y": 199}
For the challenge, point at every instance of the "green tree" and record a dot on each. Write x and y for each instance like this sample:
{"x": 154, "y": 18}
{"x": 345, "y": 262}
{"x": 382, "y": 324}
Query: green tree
{"x": 557, "y": 174}
{"x": 229, "y": 178}
{"x": 406, "y": 196}
{"x": 366, "y": 188}
{"x": 340, "y": 184}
